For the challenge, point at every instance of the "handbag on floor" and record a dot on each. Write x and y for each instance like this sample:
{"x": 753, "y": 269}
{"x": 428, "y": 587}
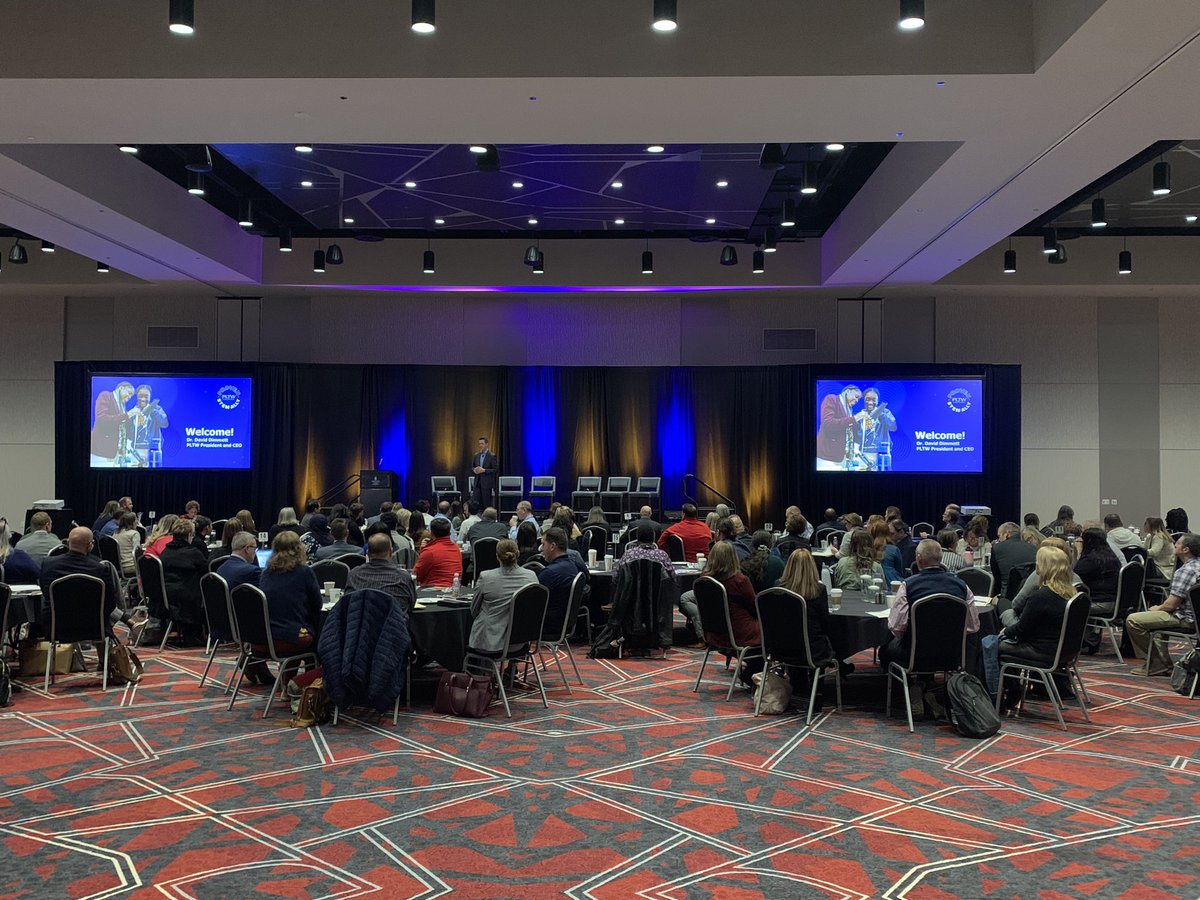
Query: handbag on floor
{"x": 776, "y": 689}
{"x": 124, "y": 667}
{"x": 1184, "y": 673}
{"x": 464, "y": 694}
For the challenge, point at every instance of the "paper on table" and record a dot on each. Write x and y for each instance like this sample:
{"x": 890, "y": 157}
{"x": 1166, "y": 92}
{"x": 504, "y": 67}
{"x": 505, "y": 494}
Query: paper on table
{"x": 879, "y": 613}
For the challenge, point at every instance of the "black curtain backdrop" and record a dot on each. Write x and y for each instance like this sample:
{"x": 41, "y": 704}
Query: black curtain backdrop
{"x": 749, "y": 432}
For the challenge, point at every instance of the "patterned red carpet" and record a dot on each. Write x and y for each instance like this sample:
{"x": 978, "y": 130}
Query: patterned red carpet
{"x": 632, "y": 787}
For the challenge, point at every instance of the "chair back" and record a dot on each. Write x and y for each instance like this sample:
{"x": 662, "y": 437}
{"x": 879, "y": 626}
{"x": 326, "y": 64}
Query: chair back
{"x": 57, "y": 551}
{"x": 1130, "y": 582}
{"x": 154, "y": 586}
{"x": 587, "y": 483}
{"x": 596, "y": 538}
{"x": 573, "y": 603}
{"x": 534, "y": 566}
{"x": 405, "y": 557}
{"x": 527, "y": 613}
{"x": 1016, "y": 579}
{"x": 77, "y": 609}
{"x": 1138, "y": 553}
{"x": 483, "y": 555}
{"x": 638, "y": 600}
{"x": 1074, "y": 627}
{"x": 219, "y": 526}
{"x": 5, "y": 603}
{"x": 619, "y": 484}
{"x": 648, "y": 484}
{"x": 109, "y": 550}
{"x": 332, "y": 570}
{"x": 923, "y": 530}
{"x": 217, "y": 562}
{"x": 712, "y": 602}
{"x": 937, "y": 628}
{"x": 675, "y": 548}
{"x": 783, "y": 620}
{"x": 512, "y": 484}
{"x": 542, "y": 484}
{"x": 443, "y": 484}
{"x": 214, "y": 592}
{"x": 251, "y": 617}
{"x": 980, "y": 581}
{"x": 352, "y": 560}
{"x": 790, "y": 544}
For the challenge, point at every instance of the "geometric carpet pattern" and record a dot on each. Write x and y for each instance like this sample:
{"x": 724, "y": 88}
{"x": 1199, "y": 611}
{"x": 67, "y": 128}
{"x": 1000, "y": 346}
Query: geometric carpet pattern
{"x": 631, "y": 787}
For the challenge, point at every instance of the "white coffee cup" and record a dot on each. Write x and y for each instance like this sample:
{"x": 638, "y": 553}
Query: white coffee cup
{"x": 608, "y": 563}
{"x": 329, "y": 586}
{"x": 824, "y": 543}
{"x": 896, "y": 586}
{"x": 835, "y": 596}
{"x": 335, "y": 595}
{"x": 700, "y": 560}
{"x": 890, "y": 600}
{"x": 592, "y": 559}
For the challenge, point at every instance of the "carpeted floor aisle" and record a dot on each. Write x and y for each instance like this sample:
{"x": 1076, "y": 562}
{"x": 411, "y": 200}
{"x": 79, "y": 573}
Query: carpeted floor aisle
{"x": 632, "y": 787}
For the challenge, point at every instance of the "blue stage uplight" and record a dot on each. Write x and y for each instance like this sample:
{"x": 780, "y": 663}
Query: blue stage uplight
{"x": 541, "y": 420}
{"x": 676, "y": 441}
{"x": 394, "y": 453}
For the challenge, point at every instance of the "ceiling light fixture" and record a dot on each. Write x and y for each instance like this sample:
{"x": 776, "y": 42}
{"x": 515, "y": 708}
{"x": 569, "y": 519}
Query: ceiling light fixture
{"x": 306, "y": 183}
{"x": 518, "y": 184}
{"x": 1125, "y": 259}
{"x": 1099, "y": 220}
{"x": 488, "y": 160}
{"x": 1049, "y": 241}
{"x": 618, "y": 221}
{"x": 195, "y": 184}
{"x": 722, "y": 183}
{"x": 129, "y": 148}
{"x": 245, "y": 213}
{"x": 531, "y": 255}
{"x": 760, "y": 263}
{"x": 806, "y": 179}
{"x": 710, "y": 221}
{"x": 1059, "y": 256}
{"x": 539, "y": 268}
{"x": 304, "y": 148}
{"x": 835, "y": 147}
{"x": 728, "y": 256}
{"x": 410, "y": 184}
{"x": 17, "y": 255}
{"x": 439, "y": 221}
{"x": 102, "y": 268}
{"x": 1191, "y": 220}
{"x": 617, "y": 185}
{"x": 182, "y": 17}
{"x": 788, "y": 217}
{"x": 199, "y": 159}
{"x": 427, "y": 260}
{"x": 1162, "y": 178}
{"x": 665, "y": 18}
{"x": 655, "y": 148}
{"x": 333, "y": 256}
{"x": 533, "y": 221}
{"x": 422, "y": 17}
{"x": 771, "y": 156}
{"x": 47, "y": 247}
{"x": 479, "y": 148}
{"x": 285, "y": 240}
{"x": 348, "y": 221}
{"x": 1010, "y": 259}
{"x": 319, "y": 260}
{"x": 647, "y": 260}
{"x": 912, "y": 15}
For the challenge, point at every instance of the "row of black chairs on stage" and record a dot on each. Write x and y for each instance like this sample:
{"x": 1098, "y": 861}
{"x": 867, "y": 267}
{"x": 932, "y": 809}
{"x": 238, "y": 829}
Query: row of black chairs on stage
{"x": 619, "y": 496}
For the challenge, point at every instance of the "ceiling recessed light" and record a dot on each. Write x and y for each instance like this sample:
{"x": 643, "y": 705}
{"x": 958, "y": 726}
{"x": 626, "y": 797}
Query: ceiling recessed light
{"x": 304, "y": 148}
{"x": 439, "y": 221}
{"x": 533, "y": 221}
{"x": 128, "y": 148}
{"x": 306, "y": 184}
{"x": 102, "y": 267}
{"x": 479, "y": 148}
{"x": 912, "y": 15}
{"x": 410, "y": 184}
{"x": 710, "y": 221}
{"x": 618, "y": 221}
{"x": 518, "y": 184}
{"x": 655, "y": 148}
{"x": 47, "y": 247}
{"x": 182, "y": 17}
{"x": 722, "y": 183}
{"x": 422, "y": 17}
{"x": 195, "y": 184}
{"x": 348, "y": 220}
{"x": 834, "y": 147}
{"x": 617, "y": 185}
{"x": 665, "y": 19}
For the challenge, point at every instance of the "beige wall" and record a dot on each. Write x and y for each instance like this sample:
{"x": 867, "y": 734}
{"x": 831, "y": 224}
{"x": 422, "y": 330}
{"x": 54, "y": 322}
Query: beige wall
{"x": 1066, "y": 393}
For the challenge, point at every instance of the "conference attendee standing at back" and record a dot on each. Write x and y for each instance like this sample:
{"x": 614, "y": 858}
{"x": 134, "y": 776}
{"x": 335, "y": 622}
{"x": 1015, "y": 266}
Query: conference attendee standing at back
{"x": 483, "y": 467}
{"x": 241, "y": 567}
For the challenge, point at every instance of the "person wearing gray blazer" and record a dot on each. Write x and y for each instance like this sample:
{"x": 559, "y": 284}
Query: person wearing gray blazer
{"x": 492, "y": 603}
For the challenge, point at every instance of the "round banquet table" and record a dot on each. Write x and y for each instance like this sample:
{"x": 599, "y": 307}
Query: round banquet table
{"x": 440, "y": 632}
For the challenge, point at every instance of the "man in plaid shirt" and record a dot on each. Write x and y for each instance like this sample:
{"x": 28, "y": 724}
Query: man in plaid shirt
{"x": 1175, "y": 613}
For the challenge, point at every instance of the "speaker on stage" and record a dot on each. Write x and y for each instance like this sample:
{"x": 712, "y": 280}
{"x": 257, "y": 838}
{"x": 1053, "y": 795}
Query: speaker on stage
{"x": 375, "y": 486}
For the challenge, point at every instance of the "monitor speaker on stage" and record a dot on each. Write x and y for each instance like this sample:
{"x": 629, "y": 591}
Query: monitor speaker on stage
{"x": 375, "y": 486}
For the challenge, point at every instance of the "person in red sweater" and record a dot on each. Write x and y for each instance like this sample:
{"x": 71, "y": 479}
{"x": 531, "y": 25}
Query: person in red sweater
{"x": 694, "y": 534}
{"x": 440, "y": 559}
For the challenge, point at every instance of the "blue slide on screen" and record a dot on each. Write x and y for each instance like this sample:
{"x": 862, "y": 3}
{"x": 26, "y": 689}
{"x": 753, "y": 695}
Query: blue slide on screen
{"x": 925, "y": 425}
{"x": 170, "y": 422}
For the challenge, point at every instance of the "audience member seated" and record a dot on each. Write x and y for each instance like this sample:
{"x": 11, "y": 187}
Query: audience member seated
{"x": 695, "y": 534}
{"x": 293, "y": 604}
{"x": 1031, "y": 520}
{"x": 160, "y": 535}
{"x": 339, "y": 546}
{"x": 854, "y": 571}
{"x": 800, "y": 576}
{"x": 417, "y": 531}
{"x": 808, "y": 530}
{"x": 78, "y": 560}
{"x": 761, "y": 566}
{"x": 40, "y": 540}
{"x": 191, "y": 509}
{"x": 727, "y": 534}
{"x": 1066, "y": 516}
{"x": 247, "y": 519}
{"x": 203, "y": 533}
{"x": 646, "y": 517}
{"x": 1175, "y": 613}
{"x": 317, "y": 536}
{"x": 557, "y": 576}
{"x": 183, "y": 567}
{"x": 385, "y": 506}
{"x": 524, "y": 514}
{"x": 832, "y": 520}
{"x": 645, "y": 548}
{"x": 128, "y": 539}
{"x": 710, "y": 522}
{"x": 472, "y": 519}
{"x": 1098, "y": 568}
{"x": 975, "y": 542}
{"x": 19, "y": 567}
{"x": 528, "y": 543}
{"x": 1033, "y": 637}
{"x": 796, "y": 531}
{"x": 886, "y": 552}
{"x": 722, "y": 565}
{"x": 1033, "y": 582}
{"x": 952, "y": 560}
{"x": 231, "y": 529}
{"x": 1157, "y": 541}
{"x": 488, "y": 527}
{"x": 900, "y": 536}
{"x": 287, "y": 522}
{"x": 1119, "y": 537}
{"x": 242, "y": 565}
{"x": 440, "y": 559}
{"x": 565, "y": 519}
{"x": 311, "y": 508}
{"x": 400, "y": 540}
{"x": 443, "y": 512}
{"x": 106, "y": 522}
{"x": 1177, "y": 520}
{"x": 931, "y": 578}
{"x": 491, "y": 605}
{"x": 381, "y": 573}
{"x": 1008, "y": 550}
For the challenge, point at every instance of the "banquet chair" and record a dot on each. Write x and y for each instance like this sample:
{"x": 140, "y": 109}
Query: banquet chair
{"x": 218, "y": 616}
{"x": 6, "y": 605}
{"x": 595, "y": 537}
{"x": 783, "y": 616}
{"x": 483, "y": 555}
{"x": 980, "y": 581}
{"x": 1130, "y": 580}
{"x": 252, "y": 622}
{"x": 154, "y": 594}
{"x": 559, "y": 640}
{"x": 1070, "y": 640}
{"x": 923, "y": 530}
{"x": 352, "y": 560}
{"x": 332, "y": 570}
{"x": 527, "y": 613}
{"x": 77, "y": 615}
{"x": 712, "y": 602}
{"x": 937, "y": 631}
{"x": 675, "y": 548}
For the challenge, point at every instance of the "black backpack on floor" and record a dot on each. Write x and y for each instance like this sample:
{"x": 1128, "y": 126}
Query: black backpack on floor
{"x": 6, "y": 684}
{"x": 971, "y": 709}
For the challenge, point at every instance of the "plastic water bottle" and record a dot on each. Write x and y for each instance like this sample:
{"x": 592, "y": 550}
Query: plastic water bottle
{"x": 456, "y": 587}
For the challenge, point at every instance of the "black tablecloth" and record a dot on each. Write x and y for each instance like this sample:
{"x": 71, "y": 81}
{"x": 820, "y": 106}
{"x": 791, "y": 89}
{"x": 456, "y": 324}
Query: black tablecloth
{"x": 853, "y": 628}
{"x": 440, "y": 632}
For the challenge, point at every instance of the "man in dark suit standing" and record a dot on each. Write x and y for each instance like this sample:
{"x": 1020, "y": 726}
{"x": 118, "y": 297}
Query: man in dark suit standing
{"x": 483, "y": 467}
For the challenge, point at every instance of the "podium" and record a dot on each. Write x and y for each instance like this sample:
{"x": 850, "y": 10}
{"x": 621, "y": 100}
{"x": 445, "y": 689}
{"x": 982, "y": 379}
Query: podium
{"x": 375, "y": 486}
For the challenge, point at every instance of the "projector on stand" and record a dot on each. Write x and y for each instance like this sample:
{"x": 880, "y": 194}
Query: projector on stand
{"x": 971, "y": 511}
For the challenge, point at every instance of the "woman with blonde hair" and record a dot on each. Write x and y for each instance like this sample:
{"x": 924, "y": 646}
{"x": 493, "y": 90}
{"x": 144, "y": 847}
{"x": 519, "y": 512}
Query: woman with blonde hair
{"x": 800, "y": 576}
{"x": 1033, "y": 638}
{"x": 1159, "y": 546}
{"x": 17, "y": 566}
{"x": 855, "y": 570}
{"x": 160, "y": 535}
